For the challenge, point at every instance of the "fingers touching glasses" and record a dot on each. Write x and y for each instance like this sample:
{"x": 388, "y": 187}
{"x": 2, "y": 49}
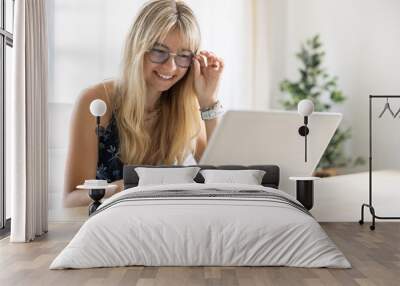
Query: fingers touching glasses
{"x": 209, "y": 59}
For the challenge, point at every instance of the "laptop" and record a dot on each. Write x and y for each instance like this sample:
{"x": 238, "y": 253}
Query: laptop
{"x": 271, "y": 138}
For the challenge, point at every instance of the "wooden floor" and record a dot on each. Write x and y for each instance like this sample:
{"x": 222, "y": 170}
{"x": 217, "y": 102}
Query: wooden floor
{"x": 375, "y": 257}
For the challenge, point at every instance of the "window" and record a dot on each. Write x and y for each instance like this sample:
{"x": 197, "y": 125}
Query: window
{"x": 6, "y": 44}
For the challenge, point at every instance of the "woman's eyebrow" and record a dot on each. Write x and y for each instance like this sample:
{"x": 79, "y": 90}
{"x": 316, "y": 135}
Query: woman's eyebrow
{"x": 186, "y": 50}
{"x": 163, "y": 46}
{"x": 167, "y": 48}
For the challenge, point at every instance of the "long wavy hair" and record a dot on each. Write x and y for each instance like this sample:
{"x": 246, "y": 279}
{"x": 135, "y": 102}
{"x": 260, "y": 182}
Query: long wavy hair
{"x": 178, "y": 122}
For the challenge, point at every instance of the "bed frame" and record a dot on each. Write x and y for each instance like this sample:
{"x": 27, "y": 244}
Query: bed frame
{"x": 131, "y": 178}
{"x": 270, "y": 179}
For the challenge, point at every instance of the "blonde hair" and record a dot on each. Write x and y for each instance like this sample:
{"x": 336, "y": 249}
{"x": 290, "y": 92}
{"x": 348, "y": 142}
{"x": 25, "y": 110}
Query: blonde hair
{"x": 178, "y": 122}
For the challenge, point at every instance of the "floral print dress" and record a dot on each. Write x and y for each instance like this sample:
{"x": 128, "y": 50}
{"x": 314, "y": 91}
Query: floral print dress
{"x": 109, "y": 165}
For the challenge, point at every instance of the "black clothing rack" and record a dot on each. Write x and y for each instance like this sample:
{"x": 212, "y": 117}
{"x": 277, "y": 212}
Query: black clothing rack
{"x": 369, "y": 205}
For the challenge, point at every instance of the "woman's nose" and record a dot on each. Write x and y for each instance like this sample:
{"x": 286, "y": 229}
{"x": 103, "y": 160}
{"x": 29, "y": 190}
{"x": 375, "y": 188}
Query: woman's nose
{"x": 170, "y": 64}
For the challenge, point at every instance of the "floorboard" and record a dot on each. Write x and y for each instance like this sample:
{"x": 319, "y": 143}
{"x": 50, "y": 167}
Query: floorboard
{"x": 374, "y": 255}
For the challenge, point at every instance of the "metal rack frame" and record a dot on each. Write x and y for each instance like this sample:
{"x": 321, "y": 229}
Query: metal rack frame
{"x": 369, "y": 205}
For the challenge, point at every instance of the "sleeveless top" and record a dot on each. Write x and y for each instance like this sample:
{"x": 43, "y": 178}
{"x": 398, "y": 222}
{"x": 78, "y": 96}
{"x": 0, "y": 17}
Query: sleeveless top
{"x": 109, "y": 165}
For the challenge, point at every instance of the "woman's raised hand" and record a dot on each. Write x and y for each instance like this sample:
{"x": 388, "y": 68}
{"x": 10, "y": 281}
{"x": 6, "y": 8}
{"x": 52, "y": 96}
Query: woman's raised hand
{"x": 207, "y": 72}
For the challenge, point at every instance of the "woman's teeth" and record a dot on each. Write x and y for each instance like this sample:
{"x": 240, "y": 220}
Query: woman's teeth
{"x": 163, "y": 76}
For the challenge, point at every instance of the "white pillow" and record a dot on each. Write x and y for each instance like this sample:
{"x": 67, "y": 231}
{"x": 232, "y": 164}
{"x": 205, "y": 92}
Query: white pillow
{"x": 249, "y": 177}
{"x": 162, "y": 176}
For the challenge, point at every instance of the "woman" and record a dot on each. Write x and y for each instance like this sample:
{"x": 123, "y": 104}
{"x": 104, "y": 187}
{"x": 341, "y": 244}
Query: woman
{"x": 153, "y": 112}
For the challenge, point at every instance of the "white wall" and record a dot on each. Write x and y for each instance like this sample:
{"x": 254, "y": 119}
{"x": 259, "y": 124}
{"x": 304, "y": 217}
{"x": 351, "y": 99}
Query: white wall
{"x": 361, "y": 39}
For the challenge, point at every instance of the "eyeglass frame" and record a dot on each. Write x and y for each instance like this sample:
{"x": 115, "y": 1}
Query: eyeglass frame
{"x": 192, "y": 54}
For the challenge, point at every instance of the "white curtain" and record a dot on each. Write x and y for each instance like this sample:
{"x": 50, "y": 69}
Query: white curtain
{"x": 261, "y": 56}
{"x": 236, "y": 30}
{"x": 28, "y": 116}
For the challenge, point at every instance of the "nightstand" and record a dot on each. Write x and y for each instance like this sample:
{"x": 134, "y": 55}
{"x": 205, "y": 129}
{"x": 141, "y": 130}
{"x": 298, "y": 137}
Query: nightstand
{"x": 305, "y": 190}
{"x": 96, "y": 193}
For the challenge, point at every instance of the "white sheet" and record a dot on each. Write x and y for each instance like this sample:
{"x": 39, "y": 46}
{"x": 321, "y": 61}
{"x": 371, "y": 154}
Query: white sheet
{"x": 200, "y": 231}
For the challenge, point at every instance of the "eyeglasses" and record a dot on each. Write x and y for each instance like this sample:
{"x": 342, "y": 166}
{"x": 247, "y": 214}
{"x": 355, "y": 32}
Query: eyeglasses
{"x": 159, "y": 56}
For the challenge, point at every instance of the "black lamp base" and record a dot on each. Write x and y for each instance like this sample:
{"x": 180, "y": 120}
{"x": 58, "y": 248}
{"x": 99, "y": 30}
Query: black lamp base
{"x": 96, "y": 195}
{"x": 305, "y": 193}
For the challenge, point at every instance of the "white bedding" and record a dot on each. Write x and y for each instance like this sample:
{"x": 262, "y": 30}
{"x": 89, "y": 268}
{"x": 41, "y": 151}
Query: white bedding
{"x": 182, "y": 231}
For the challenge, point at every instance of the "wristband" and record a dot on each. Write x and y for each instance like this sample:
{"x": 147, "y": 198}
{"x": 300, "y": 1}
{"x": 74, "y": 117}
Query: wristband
{"x": 212, "y": 112}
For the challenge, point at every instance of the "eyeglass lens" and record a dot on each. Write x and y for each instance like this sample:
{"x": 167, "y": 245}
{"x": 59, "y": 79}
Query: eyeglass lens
{"x": 160, "y": 56}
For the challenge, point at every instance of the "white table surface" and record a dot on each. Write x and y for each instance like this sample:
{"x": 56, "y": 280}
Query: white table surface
{"x": 303, "y": 178}
{"x": 86, "y": 187}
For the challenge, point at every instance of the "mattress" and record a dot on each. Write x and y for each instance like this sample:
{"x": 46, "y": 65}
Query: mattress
{"x": 201, "y": 225}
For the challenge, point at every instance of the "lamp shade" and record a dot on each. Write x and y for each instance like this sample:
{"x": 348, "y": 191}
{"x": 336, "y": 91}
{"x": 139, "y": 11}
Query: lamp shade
{"x": 98, "y": 107}
{"x": 305, "y": 107}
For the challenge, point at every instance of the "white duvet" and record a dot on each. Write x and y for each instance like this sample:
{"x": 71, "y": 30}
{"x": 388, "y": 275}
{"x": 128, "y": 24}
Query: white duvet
{"x": 185, "y": 231}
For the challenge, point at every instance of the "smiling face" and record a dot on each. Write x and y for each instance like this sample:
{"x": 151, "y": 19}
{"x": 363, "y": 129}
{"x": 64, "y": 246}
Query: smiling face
{"x": 162, "y": 76}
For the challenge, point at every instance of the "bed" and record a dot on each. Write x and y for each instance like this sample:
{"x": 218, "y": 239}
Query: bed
{"x": 201, "y": 224}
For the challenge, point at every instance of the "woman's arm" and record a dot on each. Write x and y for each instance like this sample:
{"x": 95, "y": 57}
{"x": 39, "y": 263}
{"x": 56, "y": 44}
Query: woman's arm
{"x": 207, "y": 69}
{"x": 207, "y": 129}
{"x": 82, "y": 153}
{"x": 210, "y": 127}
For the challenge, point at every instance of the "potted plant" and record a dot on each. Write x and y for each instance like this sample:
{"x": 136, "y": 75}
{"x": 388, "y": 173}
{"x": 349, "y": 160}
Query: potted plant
{"x": 320, "y": 87}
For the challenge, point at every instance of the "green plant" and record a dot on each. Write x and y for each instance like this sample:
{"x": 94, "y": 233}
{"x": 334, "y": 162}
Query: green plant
{"x": 320, "y": 87}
